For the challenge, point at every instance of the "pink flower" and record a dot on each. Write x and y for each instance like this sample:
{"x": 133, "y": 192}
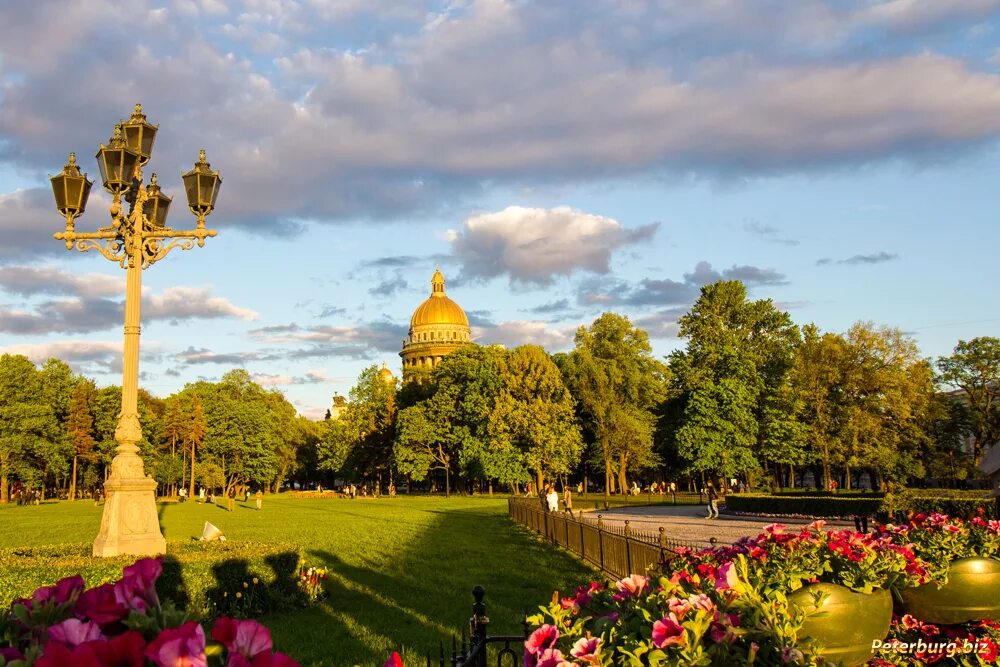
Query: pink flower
{"x": 101, "y": 606}
{"x": 137, "y": 587}
{"x": 125, "y": 650}
{"x": 73, "y": 632}
{"x": 631, "y": 586}
{"x": 393, "y": 661}
{"x": 909, "y": 622}
{"x": 280, "y": 660}
{"x": 179, "y": 647}
{"x": 586, "y": 648}
{"x": 791, "y": 654}
{"x": 247, "y": 638}
{"x": 65, "y": 590}
{"x": 678, "y": 607}
{"x": 726, "y": 578}
{"x": 701, "y": 602}
{"x": 540, "y": 640}
{"x": 667, "y": 632}
{"x": 57, "y": 655}
{"x": 11, "y": 654}
{"x": 552, "y": 658}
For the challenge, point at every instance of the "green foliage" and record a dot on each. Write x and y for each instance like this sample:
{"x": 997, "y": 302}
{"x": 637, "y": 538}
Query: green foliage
{"x": 974, "y": 367}
{"x": 804, "y": 505}
{"x": 200, "y": 577}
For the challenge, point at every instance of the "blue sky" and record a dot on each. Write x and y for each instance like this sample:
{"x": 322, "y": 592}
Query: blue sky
{"x": 556, "y": 159}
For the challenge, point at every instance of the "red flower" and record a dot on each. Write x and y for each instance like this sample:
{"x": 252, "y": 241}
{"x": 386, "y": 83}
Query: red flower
{"x": 987, "y": 650}
{"x": 57, "y": 655}
{"x": 248, "y": 638}
{"x": 179, "y": 647}
{"x": 125, "y": 650}
{"x": 11, "y": 654}
{"x": 394, "y": 661}
{"x": 65, "y": 590}
{"x": 667, "y": 632}
{"x": 541, "y": 639}
{"x": 101, "y": 606}
{"x": 280, "y": 660}
{"x": 137, "y": 587}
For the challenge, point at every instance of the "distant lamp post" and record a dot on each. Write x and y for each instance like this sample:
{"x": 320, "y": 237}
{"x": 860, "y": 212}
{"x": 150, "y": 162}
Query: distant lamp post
{"x": 135, "y": 240}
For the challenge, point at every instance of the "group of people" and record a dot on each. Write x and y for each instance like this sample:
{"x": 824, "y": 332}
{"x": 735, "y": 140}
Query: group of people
{"x": 550, "y": 499}
{"x": 205, "y": 496}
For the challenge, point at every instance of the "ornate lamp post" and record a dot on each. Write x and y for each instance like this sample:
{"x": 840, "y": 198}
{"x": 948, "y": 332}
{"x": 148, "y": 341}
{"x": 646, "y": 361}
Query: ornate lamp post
{"x": 135, "y": 240}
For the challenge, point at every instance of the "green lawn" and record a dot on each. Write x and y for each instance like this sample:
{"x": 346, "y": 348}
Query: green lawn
{"x": 401, "y": 569}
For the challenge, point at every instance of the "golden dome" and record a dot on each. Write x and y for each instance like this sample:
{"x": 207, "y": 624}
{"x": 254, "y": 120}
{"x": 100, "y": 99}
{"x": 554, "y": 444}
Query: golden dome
{"x": 438, "y": 308}
{"x": 386, "y": 374}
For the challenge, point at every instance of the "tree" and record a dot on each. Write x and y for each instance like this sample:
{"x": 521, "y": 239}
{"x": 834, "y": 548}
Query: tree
{"x": 731, "y": 373}
{"x": 424, "y": 442}
{"x": 613, "y": 375}
{"x": 27, "y": 421}
{"x": 174, "y": 427}
{"x": 80, "y": 426}
{"x": 949, "y": 428}
{"x": 974, "y": 367}
{"x": 194, "y": 435}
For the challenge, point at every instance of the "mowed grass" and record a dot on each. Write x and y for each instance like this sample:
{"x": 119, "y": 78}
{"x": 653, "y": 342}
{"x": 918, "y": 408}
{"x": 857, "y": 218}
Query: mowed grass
{"x": 401, "y": 570}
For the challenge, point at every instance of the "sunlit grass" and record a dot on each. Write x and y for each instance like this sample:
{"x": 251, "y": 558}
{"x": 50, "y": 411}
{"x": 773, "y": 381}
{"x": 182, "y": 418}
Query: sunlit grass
{"x": 401, "y": 570}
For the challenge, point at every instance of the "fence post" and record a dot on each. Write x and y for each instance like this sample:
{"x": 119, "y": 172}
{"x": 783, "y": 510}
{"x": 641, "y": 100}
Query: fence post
{"x": 600, "y": 537}
{"x": 583, "y": 542}
{"x": 628, "y": 549}
{"x": 477, "y": 626}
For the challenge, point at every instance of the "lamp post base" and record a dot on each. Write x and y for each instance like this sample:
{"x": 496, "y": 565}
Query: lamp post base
{"x": 130, "y": 524}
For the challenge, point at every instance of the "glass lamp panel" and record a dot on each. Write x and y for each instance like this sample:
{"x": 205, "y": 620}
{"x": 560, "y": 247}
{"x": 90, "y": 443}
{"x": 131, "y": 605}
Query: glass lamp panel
{"x": 59, "y": 192}
{"x": 215, "y": 188}
{"x": 156, "y": 209}
{"x": 191, "y": 189}
{"x": 148, "y": 135}
{"x": 102, "y": 165}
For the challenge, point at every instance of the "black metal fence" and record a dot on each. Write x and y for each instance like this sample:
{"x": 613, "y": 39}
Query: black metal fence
{"x": 616, "y": 550}
{"x": 477, "y": 647}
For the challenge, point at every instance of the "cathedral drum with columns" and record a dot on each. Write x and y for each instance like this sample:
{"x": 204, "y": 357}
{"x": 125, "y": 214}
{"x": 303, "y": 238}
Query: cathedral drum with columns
{"x": 438, "y": 326}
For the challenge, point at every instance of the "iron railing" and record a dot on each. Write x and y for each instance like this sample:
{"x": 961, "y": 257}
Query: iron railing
{"x": 475, "y": 648}
{"x": 616, "y": 550}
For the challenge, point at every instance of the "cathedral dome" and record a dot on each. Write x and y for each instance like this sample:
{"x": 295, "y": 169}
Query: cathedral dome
{"x": 438, "y": 309}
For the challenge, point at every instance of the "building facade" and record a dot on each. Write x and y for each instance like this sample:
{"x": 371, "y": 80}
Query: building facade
{"x": 438, "y": 326}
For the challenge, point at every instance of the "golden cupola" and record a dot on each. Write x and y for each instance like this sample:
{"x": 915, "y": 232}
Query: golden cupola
{"x": 438, "y": 326}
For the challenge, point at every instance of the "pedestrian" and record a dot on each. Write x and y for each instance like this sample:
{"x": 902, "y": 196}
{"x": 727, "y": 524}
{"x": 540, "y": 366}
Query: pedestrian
{"x": 259, "y": 497}
{"x": 713, "y": 501}
{"x": 673, "y": 491}
{"x": 861, "y": 523}
{"x": 201, "y": 494}
{"x": 567, "y": 499}
{"x": 552, "y": 499}
{"x": 231, "y": 499}
{"x": 182, "y": 496}
{"x": 579, "y": 488}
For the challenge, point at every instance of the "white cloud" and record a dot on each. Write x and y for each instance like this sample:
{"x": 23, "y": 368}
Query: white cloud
{"x": 30, "y": 280}
{"x": 535, "y": 245}
{"x": 526, "y": 332}
{"x": 181, "y": 303}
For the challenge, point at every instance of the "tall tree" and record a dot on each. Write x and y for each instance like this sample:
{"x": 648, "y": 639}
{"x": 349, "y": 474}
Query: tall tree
{"x": 737, "y": 357}
{"x": 80, "y": 426}
{"x": 974, "y": 367}
{"x": 27, "y": 420}
{"x": 612, "y": 373}
{"x": 175, "y": 427}
{"x": 194, "y": 436}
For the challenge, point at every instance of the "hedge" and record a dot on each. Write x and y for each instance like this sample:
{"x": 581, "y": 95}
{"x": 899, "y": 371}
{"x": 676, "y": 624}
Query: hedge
{"x": 896, "y": 506}
{"x": 827, "y": 506}
{"x": 200, "y": 577}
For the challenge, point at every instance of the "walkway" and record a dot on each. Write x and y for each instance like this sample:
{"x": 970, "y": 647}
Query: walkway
{"x": 688, "y": 522}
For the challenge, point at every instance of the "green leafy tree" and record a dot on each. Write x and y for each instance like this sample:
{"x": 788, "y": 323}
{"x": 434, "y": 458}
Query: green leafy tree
{"x": 731, "y": 373}
{"x": 949, "y": 428}
{"x": 974, "y": 368}
{"x": 80, "y": 427}
{"x": 613, "y": 376}
{"x": 174, "y": 427}
{"x": 194, "y": 435}
{"x": 28, "y": 424}
{"x": 362, "y": 443}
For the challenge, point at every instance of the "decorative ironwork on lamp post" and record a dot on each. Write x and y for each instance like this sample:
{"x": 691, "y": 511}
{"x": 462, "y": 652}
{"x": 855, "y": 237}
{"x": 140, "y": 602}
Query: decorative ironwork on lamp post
{"x": 136, "y": 240}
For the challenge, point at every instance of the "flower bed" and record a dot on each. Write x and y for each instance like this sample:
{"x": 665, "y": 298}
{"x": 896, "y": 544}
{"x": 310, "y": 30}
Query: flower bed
{"x": 124, "y": 624}
{"x": 752, "y": 603}
{"x": 206, "y": 579}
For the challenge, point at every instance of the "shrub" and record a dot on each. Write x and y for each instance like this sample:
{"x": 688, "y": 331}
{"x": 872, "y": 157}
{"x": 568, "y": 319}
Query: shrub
{"x": 202, "y": 578}
{"x": 823, "y": 506}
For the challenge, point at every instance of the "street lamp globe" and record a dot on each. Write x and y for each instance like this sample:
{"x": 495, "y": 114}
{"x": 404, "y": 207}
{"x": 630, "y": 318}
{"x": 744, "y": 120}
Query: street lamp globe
{"x": 117, "y": 163}
{"x": 71, "y": 189}
{"x": 202, "y": 186}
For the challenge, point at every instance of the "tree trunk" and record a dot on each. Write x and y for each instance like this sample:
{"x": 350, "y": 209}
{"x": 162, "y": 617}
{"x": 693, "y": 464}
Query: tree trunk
{"x": 72, "y": 486}
{"x": 847, "y": 477}
{"x": 791, "y": 475}
{"x": 191, "y": 490}
{"x": 539, "y": 482}
{"x": 609, "y": 481}
{"x": 447, "y": 481}
{"x": 622, "y": 463}
{"x": 4, "y": 490}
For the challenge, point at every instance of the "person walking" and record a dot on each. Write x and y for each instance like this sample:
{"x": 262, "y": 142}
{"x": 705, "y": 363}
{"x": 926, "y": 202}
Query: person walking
{"x": 231, "y": 499}
{"x": 552, "y": 499}
{"x": 567, "y": 499}
{"x": 259, "y": 498}
{"x": 713, "y": 501}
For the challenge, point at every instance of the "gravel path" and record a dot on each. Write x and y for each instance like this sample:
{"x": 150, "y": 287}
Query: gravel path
{"x": 689, "y": 522}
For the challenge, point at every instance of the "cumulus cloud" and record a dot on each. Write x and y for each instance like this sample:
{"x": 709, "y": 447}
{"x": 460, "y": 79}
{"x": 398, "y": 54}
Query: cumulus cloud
{"x": 524, "y": 332}
{"x": 359, "y": 341}
{"x": 30, "y": 280}
{"x": 431, "y": 106}
{"x": 86, "y": 357}
{"x": 534, "y": 245}
{"x": 316, "y": 376}
{"x": 873, "y": 258}
{"x": 185, "y": 303}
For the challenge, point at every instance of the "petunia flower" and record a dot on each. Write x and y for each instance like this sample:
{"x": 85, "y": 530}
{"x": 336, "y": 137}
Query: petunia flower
{"x": 586, "y": 649}
{"x": 247, "y": 638}
{"x": 726, "y": 578}
{"x": 631, "y": 586}
{"x": 394, "y": 660}
{"x": 275, "y": 660}
{"x": 667, "y": 632}
{"x": 540, "y": 640}
{"x": 101, "y": 606}
{"x": 73, "y": 632}
{"x": 179, "y": 647}
{"x": 137, "y": 587}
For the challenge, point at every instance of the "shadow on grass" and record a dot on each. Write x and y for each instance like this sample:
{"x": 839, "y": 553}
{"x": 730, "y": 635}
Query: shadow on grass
{"x": 421, "y": 594}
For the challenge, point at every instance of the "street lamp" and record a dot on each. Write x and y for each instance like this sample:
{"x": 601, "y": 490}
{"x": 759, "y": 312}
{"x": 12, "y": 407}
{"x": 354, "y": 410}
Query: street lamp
{"x": 135, "y": 240}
